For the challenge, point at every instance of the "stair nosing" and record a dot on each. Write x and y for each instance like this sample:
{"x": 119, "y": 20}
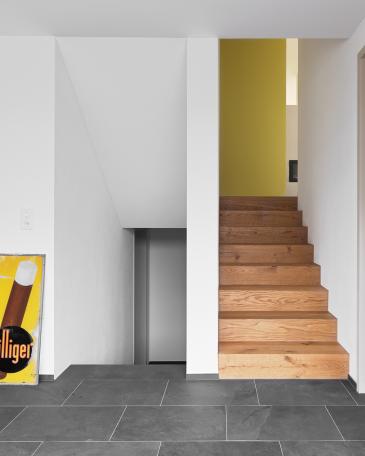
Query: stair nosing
{"x": 273, "y": 287}
{"x": 275, "y": 315}
{"x": 270, "y": 264}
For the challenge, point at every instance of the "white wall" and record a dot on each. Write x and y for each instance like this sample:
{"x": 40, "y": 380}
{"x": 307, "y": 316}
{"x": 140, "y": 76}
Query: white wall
{"x": 93, "y": 255}
{"x": 291, "y": 146}
{"x": 292, "y": 71}
{"x": 135, "y": 86}
{"x": 328, "y": 172}
{"x": 27, "y": 160}
{"x": 167, "y": 295}
{"x": 291, "y": 110}
{"x": 132, "y": 92}
{"x": 202, "y": 205}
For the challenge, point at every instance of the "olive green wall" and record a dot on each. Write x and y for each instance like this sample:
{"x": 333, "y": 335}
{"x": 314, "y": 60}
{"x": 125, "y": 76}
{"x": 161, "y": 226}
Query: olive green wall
{"x": 252, "y": 117}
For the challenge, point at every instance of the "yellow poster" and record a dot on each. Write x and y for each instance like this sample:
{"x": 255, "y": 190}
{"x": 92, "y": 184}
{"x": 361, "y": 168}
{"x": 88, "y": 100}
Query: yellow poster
{"x": 21, "y": 294}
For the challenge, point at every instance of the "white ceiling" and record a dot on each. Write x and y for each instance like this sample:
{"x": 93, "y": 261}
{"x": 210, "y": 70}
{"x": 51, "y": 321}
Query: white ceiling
{"x": 178, "y": 18}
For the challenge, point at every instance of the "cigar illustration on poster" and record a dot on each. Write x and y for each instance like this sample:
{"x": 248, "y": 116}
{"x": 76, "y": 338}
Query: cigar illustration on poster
{"x": 21, "y": 296}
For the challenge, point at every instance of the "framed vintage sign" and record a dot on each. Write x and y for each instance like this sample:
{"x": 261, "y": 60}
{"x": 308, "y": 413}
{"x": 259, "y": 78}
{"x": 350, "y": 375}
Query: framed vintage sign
{"x": 21, "y": 296}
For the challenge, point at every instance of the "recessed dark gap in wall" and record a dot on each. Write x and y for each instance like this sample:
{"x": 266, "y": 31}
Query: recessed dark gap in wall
{"x": 160, "y": 296}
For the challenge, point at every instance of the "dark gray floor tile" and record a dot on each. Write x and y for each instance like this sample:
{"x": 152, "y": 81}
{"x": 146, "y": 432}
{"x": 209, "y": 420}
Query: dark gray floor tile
{"x": 141, "y": 372}
{"x": 302, "y": 392}
{"x": 212, "y": 392}
{"x": 350, "y": 421}
{"x": 99, "y": 449}
{"x": 220, "y": 449}
{"x": 118, "y": 392}
{"x": 280, "y": 423}
{"x": 18, "y": 448}
{"x": 359, "y": 398}
{"x": 323, "y": 448}
{"x": 46, "y": 393}
{"x": 7, "y": 414}
{"x": 63, "y": 423}
{"x": 172, "y": 423}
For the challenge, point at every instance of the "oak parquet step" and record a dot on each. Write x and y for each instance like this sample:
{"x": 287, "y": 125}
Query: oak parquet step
{"x": 257, "y": 203}
{"x": 270, "y": 253}
{"x": 277, "y": 327}
{"x": 269, "y": 274}
{"x": 288, "y": 360}
{"x": 260, "y": 218}
{"x": 263, "y": 235}
{"x": 273, "y": 298}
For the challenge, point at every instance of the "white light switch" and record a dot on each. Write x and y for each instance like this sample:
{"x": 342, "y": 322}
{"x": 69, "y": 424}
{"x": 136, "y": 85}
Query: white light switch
{"x": 26, "y": 219}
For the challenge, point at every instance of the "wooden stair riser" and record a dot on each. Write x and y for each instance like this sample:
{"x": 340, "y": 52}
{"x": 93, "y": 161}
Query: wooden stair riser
{"x": 280, "y": 330}
{"x": 263, "y": 235}
{"x": 259, "y": 253}
{"x": 269, "y": 274}
{"x": 284, "y": 366}
{"x": 256, "y": 203}
{"x": 267, "y": 300}
{"x": 260, "y": 218}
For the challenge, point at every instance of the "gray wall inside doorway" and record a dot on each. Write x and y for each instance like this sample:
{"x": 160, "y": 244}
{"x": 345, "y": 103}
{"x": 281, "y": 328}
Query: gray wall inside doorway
{"x": 160, "y": 295}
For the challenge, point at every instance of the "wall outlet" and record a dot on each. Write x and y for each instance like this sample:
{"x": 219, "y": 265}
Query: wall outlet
{"x": 26, "y": 219}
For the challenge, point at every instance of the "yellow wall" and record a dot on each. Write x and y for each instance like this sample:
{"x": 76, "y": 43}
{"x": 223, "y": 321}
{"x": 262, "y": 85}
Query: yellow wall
{"x": 252, "y": 117}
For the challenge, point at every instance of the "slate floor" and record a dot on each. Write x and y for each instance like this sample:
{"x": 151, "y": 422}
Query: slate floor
{"x": 154, "y": 411}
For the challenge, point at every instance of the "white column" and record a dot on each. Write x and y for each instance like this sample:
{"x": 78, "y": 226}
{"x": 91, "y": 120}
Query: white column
{"x": 202, "y": 205}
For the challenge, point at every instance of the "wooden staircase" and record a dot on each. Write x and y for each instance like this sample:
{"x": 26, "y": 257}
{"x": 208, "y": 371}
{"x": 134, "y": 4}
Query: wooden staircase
{"x": 273, "y": 312}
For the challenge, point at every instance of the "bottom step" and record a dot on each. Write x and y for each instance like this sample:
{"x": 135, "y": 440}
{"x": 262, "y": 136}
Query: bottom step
{"x": 276, "y": 360}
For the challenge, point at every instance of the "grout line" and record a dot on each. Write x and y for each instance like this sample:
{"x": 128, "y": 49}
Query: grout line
{"x": 163, "y": 396}
{"x": 3, "y": 429}
{"x": 257, "y": 394}
{"x": 167, "y": 405}
{"x": 349, "y": 393}
{"x": 115, "y": 428}
{"x": 334, "y": 422}
{"x": 178, "y": 441}
{"x": 159, "y": 448}
{"x": 68, "y": 397}
{"x": 281, "y": 449}
{"x": 36, "y": 450}
{"x": 225, "y": 408}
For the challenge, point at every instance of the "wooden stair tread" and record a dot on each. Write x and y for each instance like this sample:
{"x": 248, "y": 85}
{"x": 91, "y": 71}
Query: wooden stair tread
{"x": 282, "y": 360}
{"x": 259, "y": 246}
{"x": 259, "y": 202}
{"x": 236, "y": 326}
{"x": 266, "y": 298}
{"x": 264, "y": 228}
{"x": 260, "y": 211}
{"x": 272, "y": 265}
{"x": 305, "y": 315}
{"x": 281, "y": 347}
{"x": 273, "y": 287}
{"x": 266, "y": 253}
{"x": 263, "y": 235}
{"x": 237, "y": 217}
{"x": 269, "y": 274}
